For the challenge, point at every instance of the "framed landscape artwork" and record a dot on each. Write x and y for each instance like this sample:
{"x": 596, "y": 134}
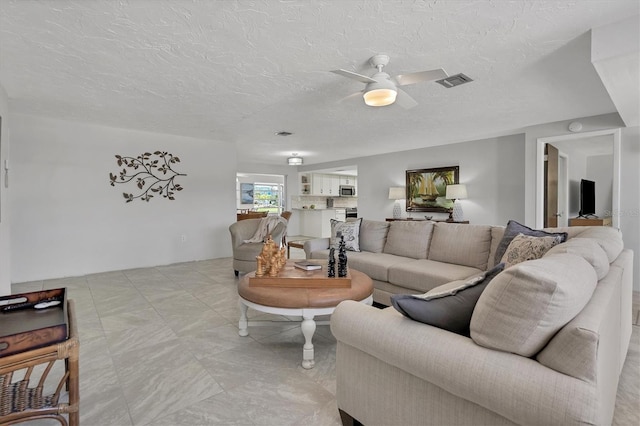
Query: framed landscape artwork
{"x": 246, "y": 193}
{"x": 426, "y": 189}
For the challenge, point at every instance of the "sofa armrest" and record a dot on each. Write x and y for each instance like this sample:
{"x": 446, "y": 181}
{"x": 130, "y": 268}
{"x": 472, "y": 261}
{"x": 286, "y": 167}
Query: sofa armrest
{"x": 314, "y": 245}
{"x": 516, "y": 387}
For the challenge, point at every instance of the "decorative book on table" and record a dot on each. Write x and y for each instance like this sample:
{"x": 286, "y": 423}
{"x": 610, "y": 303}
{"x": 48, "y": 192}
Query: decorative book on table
{"x": 307, "y": 266}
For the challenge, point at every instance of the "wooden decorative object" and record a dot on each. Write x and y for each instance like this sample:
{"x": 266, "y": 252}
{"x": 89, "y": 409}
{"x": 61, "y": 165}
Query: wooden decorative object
{"x": 271, "y": 259}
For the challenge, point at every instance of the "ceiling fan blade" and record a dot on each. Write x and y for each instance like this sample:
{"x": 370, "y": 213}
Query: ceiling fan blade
{"x": 404, "y": 100}
{"x": 355, "y": 76}
{"x": 417, "y": 77}
{"x": 351, "y": 96}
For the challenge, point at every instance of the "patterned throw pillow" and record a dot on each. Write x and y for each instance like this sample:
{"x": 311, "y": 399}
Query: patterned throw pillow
{"x": 349, "y": 230}
{"x": 525, "y": 247}
{"x": 514, "y": 228}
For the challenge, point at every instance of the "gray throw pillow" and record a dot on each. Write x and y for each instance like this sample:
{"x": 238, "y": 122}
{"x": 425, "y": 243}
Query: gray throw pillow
{"x": 514, "y": 228}
{"x": 451, "y": 309}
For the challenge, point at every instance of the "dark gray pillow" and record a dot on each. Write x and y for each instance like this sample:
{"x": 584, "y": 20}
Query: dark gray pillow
{"x": 514, "y": 228}
{"x": 451, "y": 310}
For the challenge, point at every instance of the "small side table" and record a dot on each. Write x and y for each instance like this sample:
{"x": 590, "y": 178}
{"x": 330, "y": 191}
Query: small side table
{"x": 19, "y": 402}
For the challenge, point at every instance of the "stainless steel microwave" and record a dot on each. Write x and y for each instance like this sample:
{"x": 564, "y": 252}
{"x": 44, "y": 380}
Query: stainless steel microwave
{"x": 347, "y": 191}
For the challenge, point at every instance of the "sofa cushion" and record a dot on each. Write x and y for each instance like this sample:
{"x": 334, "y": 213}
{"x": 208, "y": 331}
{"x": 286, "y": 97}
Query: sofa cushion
{"x": 467, "y": 245}
{"x": 349, "y": 230}
{"x": 525, "y": 247}
{"x": 409, "y": 238}
{"x": 496, "y": 236}
{"x": 449, "y": 306}
{"x": 422, "y": 275}
{"x": 589, "y": 250}
{"x": 528, "y": 303}
{"x": 610, "y": 239}
{"x": 373, "y": 235}
{"x": 514, "y": 228}
{"x": 375, "y": 265}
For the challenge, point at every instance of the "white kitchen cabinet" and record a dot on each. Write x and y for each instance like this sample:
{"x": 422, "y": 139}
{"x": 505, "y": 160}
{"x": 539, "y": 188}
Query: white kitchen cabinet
{"x": 317, "y": 184}
{"x": 327, "y": 185}
{"x": 347, "y": 180}
{"x": 341, "y": 215}
{"x": 331, "y": 185}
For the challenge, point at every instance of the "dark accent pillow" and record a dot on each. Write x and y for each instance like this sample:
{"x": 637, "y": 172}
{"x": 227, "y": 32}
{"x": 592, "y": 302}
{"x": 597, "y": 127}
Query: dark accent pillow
{"x": 514, "y": 228}
{"x": 450, "y": 310}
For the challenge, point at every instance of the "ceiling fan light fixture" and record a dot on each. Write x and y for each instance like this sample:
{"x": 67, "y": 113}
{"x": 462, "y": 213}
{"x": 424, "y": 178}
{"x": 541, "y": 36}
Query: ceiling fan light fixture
{"x": 380, "y": 97}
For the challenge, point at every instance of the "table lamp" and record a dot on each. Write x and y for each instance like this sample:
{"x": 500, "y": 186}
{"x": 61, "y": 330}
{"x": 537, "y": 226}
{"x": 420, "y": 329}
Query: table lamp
{"x": 397, "y": 193}
{"x": 456, "y": 192}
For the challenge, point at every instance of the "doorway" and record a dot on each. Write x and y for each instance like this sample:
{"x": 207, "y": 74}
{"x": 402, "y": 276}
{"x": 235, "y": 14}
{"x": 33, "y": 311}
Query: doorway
{"x": 610, "y": 138}
{"x": 260, "y": 193}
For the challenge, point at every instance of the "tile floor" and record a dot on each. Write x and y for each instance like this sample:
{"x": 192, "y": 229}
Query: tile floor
{"x": 160, "y": 346}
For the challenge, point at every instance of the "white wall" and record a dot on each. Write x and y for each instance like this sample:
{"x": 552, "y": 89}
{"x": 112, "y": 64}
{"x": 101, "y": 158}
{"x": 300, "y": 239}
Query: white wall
{"x": 492, "y": 169}
{"x": 5, "y": 228}
{"x": 600, "y": 170}
{"x": 69, "y": 221}
{"x": 629, "y": 175}
{"x": 630, "y": 196}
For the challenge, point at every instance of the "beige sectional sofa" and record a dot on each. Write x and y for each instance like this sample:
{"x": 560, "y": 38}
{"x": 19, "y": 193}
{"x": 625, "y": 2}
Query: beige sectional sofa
{"x": 525, "y": 361}
{"x": 416, "y": 256}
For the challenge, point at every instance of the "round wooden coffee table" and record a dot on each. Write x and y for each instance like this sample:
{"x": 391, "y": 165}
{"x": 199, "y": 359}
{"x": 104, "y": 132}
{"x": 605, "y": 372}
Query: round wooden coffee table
{"x": 304, "y": 302}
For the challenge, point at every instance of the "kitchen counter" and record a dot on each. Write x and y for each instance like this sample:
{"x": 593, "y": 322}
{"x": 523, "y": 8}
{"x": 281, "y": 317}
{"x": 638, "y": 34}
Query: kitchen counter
{"x": 317, "y": 222}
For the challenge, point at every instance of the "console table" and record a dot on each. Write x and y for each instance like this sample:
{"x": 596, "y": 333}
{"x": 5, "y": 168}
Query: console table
{"x": 390, "y": 219}
{"x": 596, "y": 221}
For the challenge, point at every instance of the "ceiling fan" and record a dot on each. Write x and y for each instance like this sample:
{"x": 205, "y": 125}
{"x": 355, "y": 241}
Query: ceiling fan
{"x": 381, "y": 89}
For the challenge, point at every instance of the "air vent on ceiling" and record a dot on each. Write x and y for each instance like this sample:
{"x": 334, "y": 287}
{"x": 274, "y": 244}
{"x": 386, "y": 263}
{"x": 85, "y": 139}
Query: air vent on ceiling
{"x": 454, "y": 80}
{"x": 283, "y": 133}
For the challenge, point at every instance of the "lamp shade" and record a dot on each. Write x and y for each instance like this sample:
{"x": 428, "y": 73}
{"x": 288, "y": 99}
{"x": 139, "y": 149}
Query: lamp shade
{"x": 294, "y": 161}
{"x": 381, "y": 93}
{"x": 380, "y": 97}
{"x": 456, "y": 192}
{"x": 397, "y": 193}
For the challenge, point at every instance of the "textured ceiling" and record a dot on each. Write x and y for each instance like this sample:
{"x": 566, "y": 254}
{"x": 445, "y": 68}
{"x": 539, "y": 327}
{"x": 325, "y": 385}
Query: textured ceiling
{"x": 239, "y": 71}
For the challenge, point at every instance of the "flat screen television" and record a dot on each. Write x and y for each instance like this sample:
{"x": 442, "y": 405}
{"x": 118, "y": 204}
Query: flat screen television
{"x": 587, "y": 198}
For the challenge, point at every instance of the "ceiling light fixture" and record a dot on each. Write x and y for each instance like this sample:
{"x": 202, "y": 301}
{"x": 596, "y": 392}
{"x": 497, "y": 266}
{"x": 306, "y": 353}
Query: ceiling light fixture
{"x": 295, "y": 160}
{"x": 383, "y": 91}
{"x": 379, "y": 96}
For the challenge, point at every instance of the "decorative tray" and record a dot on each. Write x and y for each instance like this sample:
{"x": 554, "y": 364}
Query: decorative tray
{"x": 32, "y": 320}
{"x": 292, "y": 277}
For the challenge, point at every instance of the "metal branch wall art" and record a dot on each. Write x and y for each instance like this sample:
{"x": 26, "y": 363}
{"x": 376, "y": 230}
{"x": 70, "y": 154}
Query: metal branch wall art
{"x": 153, "y": 174}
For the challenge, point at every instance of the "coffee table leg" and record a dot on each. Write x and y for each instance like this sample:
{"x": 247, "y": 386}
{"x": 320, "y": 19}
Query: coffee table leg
{"x": 308, "y": 327}
{"x": 242, "y": 324}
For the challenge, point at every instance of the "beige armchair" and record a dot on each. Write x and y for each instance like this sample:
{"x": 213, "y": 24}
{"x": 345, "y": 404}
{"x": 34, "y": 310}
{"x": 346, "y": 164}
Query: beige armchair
{"x": 244, "y": 254}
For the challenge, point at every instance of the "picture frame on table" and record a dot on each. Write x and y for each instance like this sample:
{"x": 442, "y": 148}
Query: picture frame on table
{"x": 426, "y": 188}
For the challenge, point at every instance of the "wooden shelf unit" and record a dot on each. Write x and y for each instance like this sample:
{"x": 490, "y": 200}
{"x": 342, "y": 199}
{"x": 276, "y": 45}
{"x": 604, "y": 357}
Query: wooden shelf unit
{"x": 596, "y": 221}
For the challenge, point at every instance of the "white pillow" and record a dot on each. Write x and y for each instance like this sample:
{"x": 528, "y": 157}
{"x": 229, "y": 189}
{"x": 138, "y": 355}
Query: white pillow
{"x": 349, "y": 230}
{"x": 526, "y": 305}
